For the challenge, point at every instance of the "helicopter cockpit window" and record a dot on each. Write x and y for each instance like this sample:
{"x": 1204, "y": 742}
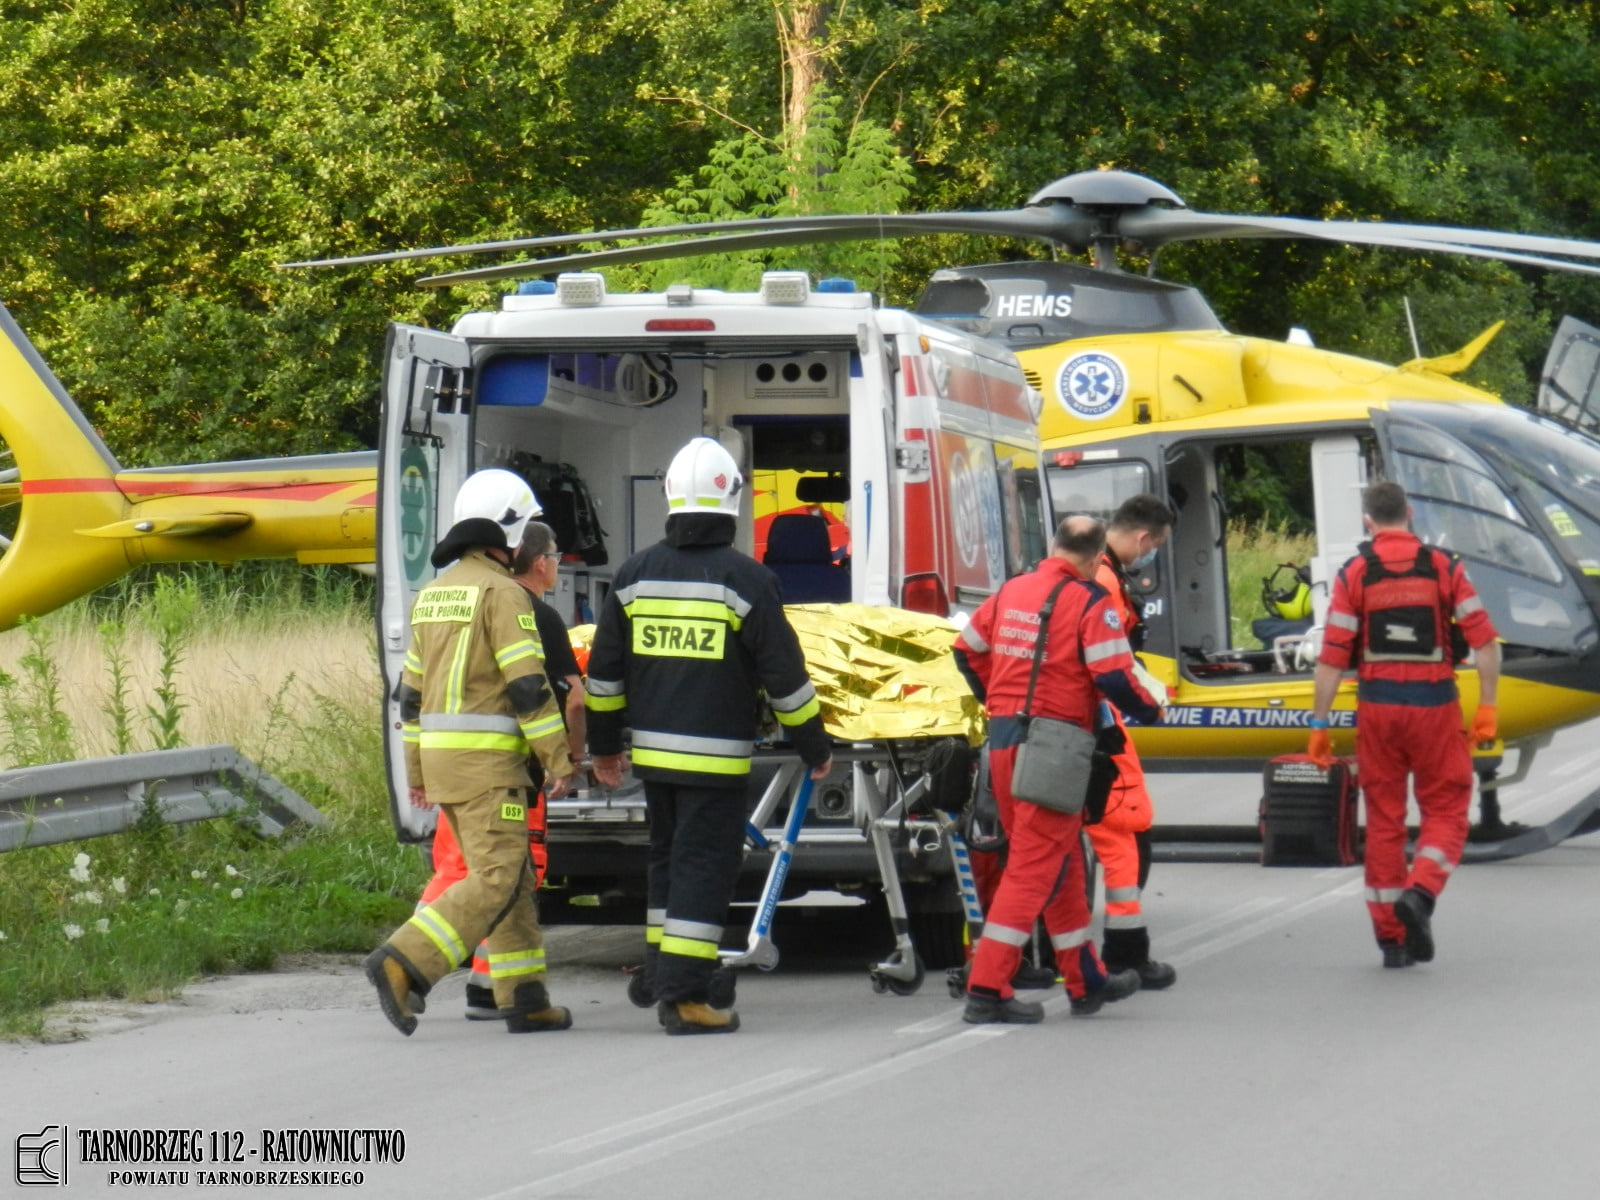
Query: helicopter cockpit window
{"x": 1465, "y": 497}
{"x": 1098, "y": 488}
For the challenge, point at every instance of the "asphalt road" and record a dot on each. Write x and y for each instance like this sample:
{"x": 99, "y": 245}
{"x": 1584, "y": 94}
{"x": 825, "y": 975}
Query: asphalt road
{"x": 1285, "y": 1063}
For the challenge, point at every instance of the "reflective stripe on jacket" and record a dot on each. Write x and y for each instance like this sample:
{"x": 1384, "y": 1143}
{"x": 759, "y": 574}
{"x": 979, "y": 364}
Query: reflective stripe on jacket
{"x": 690, "y": 635}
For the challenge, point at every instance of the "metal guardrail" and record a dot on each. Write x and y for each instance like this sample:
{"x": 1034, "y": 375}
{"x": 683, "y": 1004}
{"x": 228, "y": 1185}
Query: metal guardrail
{"x": 64, "y": 802}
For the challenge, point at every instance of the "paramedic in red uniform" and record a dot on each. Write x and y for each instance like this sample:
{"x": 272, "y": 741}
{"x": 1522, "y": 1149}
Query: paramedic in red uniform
{"x": 1086, "y": 657}
{"x": 1121, "y": 838}
{"x": 1392, "y": 608}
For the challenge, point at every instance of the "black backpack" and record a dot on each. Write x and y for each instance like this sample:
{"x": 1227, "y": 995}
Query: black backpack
{"x": 569, "y": 509}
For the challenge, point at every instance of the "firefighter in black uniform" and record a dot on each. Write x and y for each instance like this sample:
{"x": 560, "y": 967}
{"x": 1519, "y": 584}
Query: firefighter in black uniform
{"x": 691, "y": 634}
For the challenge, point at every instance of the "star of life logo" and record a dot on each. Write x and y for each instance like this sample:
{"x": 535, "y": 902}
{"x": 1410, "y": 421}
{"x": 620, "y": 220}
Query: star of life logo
{"x": 1092, "y": 385}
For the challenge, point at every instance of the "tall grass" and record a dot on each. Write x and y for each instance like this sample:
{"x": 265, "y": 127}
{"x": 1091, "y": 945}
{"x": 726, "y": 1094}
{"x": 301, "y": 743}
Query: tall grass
{"x": 278, "y": 661}
{"x": 1254, "y": 553}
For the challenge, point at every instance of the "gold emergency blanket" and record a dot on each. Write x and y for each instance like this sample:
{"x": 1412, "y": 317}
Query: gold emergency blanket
{"x": 880, "y": 673}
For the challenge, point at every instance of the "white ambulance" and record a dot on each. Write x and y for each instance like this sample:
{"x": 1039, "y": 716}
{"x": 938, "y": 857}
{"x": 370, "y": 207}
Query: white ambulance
{"x": 926, "y": 436}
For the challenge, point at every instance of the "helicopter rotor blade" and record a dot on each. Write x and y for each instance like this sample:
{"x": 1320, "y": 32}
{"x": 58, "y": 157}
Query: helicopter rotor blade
{"x": 803, "y": 234}
{"x": 1156, "y": 227}
{"x": 1038, "y": 222}
{"x": 1045, "y": 223}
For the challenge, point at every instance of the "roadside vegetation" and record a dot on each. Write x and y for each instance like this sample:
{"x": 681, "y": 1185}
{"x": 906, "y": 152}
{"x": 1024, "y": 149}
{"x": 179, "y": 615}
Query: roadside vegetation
{"x": 274, "y": 659}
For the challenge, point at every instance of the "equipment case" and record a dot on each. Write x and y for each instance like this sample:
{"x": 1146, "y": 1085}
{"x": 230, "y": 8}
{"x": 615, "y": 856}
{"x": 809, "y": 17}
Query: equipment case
{"x": 1308, "y": 814}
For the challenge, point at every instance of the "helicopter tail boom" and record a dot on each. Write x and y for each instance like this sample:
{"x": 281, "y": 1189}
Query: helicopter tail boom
{"x": 82, "y": 520}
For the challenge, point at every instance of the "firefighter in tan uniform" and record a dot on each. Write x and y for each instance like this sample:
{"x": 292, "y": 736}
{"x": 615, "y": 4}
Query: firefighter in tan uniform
{"x": 475, "y": 701}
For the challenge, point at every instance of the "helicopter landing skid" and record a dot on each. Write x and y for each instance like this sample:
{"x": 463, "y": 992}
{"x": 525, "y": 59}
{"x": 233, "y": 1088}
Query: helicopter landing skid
{"x": 1583, "y": 817}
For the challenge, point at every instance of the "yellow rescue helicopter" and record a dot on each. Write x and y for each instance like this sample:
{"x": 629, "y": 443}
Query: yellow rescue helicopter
{"x": 1144, "y": 390}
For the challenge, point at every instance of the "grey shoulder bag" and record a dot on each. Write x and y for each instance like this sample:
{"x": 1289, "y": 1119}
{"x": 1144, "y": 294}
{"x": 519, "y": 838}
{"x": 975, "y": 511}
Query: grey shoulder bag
{"x": 1053, "y": 762}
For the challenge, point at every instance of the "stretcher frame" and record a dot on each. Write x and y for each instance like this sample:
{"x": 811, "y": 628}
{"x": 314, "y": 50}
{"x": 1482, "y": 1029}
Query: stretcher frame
{"x": 884, "y": 807}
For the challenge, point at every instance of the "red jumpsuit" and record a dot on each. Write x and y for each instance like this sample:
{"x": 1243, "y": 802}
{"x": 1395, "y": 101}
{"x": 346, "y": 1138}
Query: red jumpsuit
{"x": 1128, "y": 813}
{"x": 1086, "y": 657}
{"x": 1408, "y": 722}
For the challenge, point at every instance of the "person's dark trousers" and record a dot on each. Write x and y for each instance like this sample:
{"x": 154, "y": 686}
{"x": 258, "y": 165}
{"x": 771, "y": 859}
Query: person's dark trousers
{"x": 696, "y": 845}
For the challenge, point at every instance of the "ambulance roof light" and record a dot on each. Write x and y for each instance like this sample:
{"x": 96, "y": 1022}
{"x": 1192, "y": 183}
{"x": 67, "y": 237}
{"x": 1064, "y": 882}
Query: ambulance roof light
{"x": 835, "y": 283}
{"x": 536, "y": 287}
{"x": 580, "y": 289}
{"x": 785, "y": 287}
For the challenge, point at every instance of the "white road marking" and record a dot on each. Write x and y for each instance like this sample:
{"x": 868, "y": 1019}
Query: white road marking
{"x": 1199, "y": 929}
{"x": 1234, "y": 937}
{"x": 696, "y": 1107}
{"x": 828, "y": 1088}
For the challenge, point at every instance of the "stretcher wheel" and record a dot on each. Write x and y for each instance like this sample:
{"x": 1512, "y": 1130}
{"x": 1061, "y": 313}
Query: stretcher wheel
{"x": 883, "y": 982}
{"x": 639, "y": 990}
{"x": 955, "y": 981}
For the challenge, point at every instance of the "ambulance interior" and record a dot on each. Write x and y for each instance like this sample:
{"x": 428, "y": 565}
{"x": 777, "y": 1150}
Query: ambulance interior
{"x": 595, "y": 431}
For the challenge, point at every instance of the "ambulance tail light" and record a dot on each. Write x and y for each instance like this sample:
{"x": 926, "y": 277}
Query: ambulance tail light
{"x": 925, "y": 594}
{"x": 680, "y": 325}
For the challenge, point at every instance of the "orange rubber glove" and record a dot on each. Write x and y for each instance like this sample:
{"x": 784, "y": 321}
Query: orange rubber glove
{"x": 1485, "y": 724}
{"x": 1319, "y": 749}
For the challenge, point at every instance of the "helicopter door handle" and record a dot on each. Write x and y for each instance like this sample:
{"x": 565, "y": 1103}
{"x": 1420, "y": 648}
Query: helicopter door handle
{"x": 1222, "y": 519}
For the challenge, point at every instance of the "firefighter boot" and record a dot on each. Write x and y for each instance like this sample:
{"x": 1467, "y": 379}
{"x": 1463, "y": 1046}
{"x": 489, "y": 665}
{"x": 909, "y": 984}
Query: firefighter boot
{"x": 400, "y": 992}
{"x": 1415, "y": 910}
{"x": 985, "y": 1007}
{"x": 695, "y": 1016}
{"x": 532, "y": 1012}
{"x": 480, "y": 1003}
{"x": 1130, "y": 948}
{"x": 1118, "y": 986}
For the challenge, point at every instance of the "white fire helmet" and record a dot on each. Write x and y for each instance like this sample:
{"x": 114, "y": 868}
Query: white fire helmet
{"x": 703, "y": 478}
{"x": 500, "y": 496}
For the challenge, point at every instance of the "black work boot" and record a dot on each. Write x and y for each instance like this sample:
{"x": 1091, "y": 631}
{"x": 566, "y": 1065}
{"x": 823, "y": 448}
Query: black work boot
{"x": 532, "y": 1012}
{"x": 480, "y": 1003}
{"x": 400, "y": 992}
{"x": 987, "y": 1008}
{"x": 1126, "y": 949}
{"x": 1116, "y": 987}
{"x": 679, "y": 1017}
{"x": 1395, "y": 955}
{"x": 1415, "y": 911}
{"x": 1032, "y": 975}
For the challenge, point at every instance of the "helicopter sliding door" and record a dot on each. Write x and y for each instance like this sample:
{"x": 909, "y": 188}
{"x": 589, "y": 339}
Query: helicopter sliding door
{"x": 1569, "y": 388}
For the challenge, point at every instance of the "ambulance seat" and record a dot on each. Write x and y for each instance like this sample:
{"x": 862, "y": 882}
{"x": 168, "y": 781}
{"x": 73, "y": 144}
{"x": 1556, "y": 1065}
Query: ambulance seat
{"x": 799, "y": 554}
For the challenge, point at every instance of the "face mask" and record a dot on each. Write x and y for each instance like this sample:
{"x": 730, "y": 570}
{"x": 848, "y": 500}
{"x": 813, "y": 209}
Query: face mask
{"x": 1143, "y": 561}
